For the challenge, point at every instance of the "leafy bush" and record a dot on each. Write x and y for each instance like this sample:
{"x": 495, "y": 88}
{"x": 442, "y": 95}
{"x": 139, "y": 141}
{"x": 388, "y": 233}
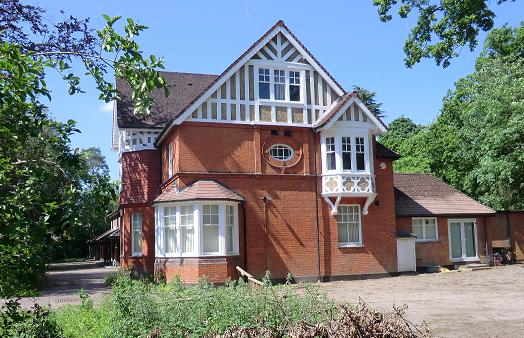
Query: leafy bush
{"x": 18, "y": 322}
{"x": 137, "y": 308}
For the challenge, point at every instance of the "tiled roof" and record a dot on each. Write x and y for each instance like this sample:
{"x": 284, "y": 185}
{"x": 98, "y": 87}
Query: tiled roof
{"x": 183, "y": 88}
{"x": 384, "y": 152}
{"x": 200, "y": 190}
{"x": 426, "y": 195}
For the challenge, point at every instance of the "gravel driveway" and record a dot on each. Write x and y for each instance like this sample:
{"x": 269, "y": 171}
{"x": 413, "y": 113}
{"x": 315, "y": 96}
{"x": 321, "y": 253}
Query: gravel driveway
{"x": 485, "y": 303}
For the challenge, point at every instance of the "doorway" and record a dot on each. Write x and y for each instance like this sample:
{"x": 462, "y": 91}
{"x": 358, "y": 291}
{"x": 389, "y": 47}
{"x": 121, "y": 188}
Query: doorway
{"x": 463, "y": 240}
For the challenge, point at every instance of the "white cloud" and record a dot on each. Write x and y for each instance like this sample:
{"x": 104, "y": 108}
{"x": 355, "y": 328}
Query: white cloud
{"x": 106, "y": 107}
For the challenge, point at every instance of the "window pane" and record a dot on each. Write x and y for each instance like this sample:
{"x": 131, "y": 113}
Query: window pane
{"x": 280, "y": 91}
{"x": 294, "y": 92}
{"x": 417, "y": 230}
{"x": 263, "y": 90}
{"x": 353, "y": 232}
{"x": 342, "y": 233}
{"x": 210, "y": 239}
{"x": 359, "y": 145}
{"x": 456, "y": 240}
{"x": 186, "y": 229}
{"x": 210, "y": 228}
{"x": 431, "y": 232}
{"x": 230, "y": 226}
{"x": 170, "y": 239}
{"x": 469, "y": 238}
{"x": 346, "y": 153}
{"x": 330, "y": 153}
{"x": 229, "y": 238}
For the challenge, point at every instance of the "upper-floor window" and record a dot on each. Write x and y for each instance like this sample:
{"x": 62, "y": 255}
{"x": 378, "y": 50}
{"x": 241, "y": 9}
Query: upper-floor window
{"x": 345, "y": 153}
{"x": 360, "y": 152}
{"x": 272, "y": 85}
{"x": 280, "y": 85}
{"x": 263, "y": 83}
{"x": 136, "y": 234}
{"x": 330, "y": 154}
{"x": 170, "y": 161}
{"x": 294, "y": 86}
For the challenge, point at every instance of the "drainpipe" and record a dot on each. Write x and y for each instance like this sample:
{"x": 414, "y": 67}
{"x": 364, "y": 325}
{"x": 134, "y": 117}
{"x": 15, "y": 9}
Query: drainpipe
{"x": 245, "y": 234}
{"x": 316, "y": 203}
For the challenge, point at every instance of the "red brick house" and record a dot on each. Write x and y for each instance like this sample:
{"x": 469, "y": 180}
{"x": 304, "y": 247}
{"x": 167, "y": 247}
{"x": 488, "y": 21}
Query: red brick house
{"x": 270, "y": 166}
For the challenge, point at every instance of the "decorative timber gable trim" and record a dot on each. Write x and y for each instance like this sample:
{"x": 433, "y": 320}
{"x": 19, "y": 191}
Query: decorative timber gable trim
{"x": 349, "y": 107}
{"x": 233, "y": 96}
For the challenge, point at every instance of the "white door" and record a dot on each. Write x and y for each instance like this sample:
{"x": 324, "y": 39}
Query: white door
{"x": 406, "y": 257}
{"x": 462, "y": 239}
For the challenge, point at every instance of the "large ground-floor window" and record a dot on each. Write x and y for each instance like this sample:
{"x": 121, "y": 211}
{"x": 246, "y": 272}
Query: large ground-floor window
{"x": 197, "y": 228}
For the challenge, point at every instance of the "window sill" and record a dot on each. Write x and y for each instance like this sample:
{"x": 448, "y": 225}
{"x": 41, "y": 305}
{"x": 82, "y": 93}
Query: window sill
{"x": 350, "y": 245}
{"x": 429, "y": 241}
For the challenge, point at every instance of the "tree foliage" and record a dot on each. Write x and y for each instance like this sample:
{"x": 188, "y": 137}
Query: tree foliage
{"x": 443, "y": 27}
{"x": 368, "y": 97}
{"x": 52, "y": 198}
{"x": 477, "y": 142}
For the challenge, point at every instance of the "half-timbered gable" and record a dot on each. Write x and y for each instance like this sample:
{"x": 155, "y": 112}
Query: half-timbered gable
{"x": 276, "y": 81}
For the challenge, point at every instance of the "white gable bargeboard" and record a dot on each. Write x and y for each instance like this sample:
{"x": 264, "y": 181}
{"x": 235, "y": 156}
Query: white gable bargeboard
{"x": 235, "y": 97}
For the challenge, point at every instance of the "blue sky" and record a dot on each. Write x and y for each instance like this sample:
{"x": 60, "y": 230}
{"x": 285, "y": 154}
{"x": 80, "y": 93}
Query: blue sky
{"x": 206, "y": 36}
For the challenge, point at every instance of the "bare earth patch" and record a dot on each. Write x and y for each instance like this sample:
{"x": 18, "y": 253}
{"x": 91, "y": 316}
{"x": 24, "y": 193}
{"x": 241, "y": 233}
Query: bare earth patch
{"x": 485, "y": 303}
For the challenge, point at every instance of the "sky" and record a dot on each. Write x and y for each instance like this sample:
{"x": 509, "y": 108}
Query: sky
{"x": 347, "y": 37}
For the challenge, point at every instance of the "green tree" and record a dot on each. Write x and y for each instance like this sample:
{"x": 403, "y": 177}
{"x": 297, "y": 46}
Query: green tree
{"x": 42, "y": 180}
{"x": 443, "y": 27}
{"x": 368, "y": 97}
{"x": 408, "y": 139}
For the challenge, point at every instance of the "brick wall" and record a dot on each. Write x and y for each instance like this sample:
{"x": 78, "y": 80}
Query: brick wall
{"x": 282, "y": 237}
{"x": 437, "y": 252}
{"x": 140, "y": 176}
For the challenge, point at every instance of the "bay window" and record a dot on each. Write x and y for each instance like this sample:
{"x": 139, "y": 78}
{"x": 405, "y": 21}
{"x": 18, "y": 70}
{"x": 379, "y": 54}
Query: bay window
{"x": 345, "y": 153}
{"x": 192, "y": 229}
{"x": 136, "y": 234}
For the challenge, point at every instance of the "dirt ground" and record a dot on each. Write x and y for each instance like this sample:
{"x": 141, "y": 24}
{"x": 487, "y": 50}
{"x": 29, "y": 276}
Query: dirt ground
{"x": 484, "y": 303}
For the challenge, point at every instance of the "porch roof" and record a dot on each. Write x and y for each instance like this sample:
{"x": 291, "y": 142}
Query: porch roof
{"x": 200, "y": 190}
{"x": 426, "y": 195}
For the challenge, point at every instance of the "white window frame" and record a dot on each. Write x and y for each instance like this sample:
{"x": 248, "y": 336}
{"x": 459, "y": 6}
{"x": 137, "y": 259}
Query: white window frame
{"x": 352, "y": 133}
{"x": 170, "y": 161}
{"x": 134, "y": 224}
{"x": 286, "y": 70}
{"x": 292, "y": 152}
{"x": 360, "y": 241}
{"x": 326, "y": 152}
{"x": 423, "y": 219}
{"x": 198, "y": 245}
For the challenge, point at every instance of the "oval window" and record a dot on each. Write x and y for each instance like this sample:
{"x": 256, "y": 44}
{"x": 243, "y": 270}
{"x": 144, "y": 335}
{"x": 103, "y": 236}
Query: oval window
{"x": 281, "y": 152}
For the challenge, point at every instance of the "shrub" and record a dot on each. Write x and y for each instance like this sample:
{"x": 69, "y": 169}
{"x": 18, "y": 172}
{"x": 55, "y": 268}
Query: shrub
{"x": 18, "y": 322}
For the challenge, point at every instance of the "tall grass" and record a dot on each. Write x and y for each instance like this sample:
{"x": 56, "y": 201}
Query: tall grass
{"x": 138, "y": 308}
